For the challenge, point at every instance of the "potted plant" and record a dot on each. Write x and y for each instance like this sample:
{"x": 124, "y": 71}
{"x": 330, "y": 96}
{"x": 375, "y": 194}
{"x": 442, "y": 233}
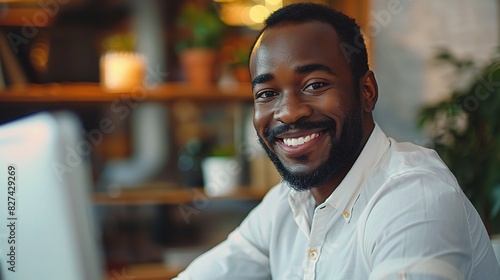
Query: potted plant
{"x": 201, "y": 33}
{"x": 465, "y": 131}
{"x": 122, "y": 69}
{"x": 240, "y": 64}
{"x": 222, "y": 171}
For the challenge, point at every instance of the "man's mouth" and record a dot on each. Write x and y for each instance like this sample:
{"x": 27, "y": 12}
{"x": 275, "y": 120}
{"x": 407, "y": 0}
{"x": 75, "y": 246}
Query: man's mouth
{"x": 301, "y": 137}
{"x": 294, "y": 142}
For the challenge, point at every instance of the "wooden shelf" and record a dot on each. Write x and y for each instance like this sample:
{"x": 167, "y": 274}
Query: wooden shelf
{"x": 152, "y": 271}
{"x": 92, "y": 92}
{"x": 173, "y": 196}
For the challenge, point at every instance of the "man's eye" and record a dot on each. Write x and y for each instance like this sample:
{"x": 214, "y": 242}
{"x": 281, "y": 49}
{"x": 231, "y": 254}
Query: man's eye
{"x": 266, "y": 94}
{"x": 315, "y": 86}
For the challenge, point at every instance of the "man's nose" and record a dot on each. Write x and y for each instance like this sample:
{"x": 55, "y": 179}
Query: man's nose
{"x": 292, "y": 108}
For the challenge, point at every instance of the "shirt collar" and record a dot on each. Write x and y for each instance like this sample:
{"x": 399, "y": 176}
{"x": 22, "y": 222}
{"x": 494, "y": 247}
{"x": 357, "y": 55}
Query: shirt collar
{"x": 346, "y": 194}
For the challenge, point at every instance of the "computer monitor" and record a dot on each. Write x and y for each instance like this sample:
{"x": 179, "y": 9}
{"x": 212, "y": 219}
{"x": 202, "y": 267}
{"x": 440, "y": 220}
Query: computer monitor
{"x": 47, "y": 227}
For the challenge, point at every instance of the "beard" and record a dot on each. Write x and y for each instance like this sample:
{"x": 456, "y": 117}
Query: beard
{"x": 343, "y": 150}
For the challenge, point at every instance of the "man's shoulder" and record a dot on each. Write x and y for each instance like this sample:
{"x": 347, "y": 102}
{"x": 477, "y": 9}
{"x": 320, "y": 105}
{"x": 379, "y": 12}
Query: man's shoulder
{"x": 407, "y": 157}
{"x": 409, "y": 147}
{"x": 407, "y": 164}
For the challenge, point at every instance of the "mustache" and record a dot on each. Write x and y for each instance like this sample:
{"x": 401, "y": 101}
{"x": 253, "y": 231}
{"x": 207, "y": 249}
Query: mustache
{"x": 270, "y": 134}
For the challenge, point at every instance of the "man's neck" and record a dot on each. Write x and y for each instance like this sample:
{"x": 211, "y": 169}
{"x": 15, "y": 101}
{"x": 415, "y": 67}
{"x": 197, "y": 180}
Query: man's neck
{"x": 321, "y": 193}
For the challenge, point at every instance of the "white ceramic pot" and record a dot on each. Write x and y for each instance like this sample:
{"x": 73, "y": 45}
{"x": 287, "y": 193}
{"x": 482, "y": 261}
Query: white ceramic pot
{"x": 221, "y": 175}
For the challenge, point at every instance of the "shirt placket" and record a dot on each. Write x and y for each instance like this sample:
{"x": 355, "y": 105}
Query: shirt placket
{"x": 316, "y": 240}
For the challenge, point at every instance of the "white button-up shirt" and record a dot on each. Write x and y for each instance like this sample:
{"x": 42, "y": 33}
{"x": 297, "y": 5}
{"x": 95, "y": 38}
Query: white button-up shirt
{"x": 398, "y": 214}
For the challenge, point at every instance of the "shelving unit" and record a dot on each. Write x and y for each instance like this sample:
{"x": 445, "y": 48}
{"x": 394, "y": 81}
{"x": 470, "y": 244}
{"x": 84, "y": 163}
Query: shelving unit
{"x": 145, "y": 272}
{"x": 92, "y": 92}
{"x": 158, "y": 194}
{"x": 173, "y": 196}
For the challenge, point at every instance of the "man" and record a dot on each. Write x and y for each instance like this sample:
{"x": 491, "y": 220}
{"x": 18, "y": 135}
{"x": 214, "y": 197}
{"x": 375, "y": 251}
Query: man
{"x": 353, "y": 203}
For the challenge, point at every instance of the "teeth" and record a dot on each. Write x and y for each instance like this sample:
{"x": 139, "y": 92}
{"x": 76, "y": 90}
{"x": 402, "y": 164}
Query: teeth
{"x": 299, "y": 141}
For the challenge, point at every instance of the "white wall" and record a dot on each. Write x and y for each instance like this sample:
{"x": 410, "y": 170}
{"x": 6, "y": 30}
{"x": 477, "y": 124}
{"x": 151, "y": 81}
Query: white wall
{"x": 406, "y": 35}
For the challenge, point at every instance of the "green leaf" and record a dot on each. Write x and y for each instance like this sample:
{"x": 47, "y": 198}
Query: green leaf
{"x": 200, "y": 27}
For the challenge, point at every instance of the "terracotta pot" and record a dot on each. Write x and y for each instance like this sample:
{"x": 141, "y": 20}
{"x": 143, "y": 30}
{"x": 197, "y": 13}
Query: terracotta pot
{"x": 200, "y": 66}
{"x": 241, "y": 74}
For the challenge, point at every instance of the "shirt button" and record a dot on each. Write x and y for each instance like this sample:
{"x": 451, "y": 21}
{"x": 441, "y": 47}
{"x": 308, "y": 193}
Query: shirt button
{"x": 346, "y": 214}
{"x": 313, "y": 254}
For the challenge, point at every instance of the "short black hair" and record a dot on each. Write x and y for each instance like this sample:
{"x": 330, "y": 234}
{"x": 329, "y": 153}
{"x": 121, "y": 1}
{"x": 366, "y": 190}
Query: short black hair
{"x": 352, "y": 42}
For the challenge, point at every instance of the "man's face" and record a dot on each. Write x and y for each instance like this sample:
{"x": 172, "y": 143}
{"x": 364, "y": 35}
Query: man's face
{"x": 307, "y": 112}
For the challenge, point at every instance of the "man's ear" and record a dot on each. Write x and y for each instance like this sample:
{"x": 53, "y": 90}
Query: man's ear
{"x": 369, "y": 91}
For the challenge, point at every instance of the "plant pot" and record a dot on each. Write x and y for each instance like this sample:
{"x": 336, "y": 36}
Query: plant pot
{"x": 122, "y": 71}
{"x": 241, "y": 74}
{"x": 200, "y": 66}
{"x": 221, "y": 175}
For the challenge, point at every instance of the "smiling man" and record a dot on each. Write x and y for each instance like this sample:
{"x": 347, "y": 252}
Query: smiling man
{"x": 353, "y": 203}
{"x": 309, "y": 114}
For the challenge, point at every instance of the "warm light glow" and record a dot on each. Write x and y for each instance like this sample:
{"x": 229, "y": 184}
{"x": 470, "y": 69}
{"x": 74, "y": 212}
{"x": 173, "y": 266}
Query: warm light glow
{"x": 244, "y": 12}
{"x": 245, "y": 17}
{"x": 274, "y": 2}
{"x": 230, "y": 14}
{"x": 39, "y": 55}
{"x": 258, "y": 13}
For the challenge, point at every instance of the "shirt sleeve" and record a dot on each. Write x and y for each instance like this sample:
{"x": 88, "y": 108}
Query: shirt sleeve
{"x": 244, "y": 254}
{"x": 419, "y": 228}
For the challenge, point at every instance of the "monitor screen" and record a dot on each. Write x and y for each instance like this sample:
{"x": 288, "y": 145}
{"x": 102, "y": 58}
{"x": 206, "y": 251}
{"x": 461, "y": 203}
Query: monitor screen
{"x": 48, "y": 228}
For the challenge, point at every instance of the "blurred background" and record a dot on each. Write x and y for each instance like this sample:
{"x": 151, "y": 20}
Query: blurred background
{"x": 163, "y": 93}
